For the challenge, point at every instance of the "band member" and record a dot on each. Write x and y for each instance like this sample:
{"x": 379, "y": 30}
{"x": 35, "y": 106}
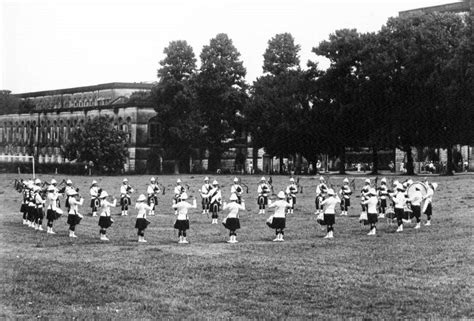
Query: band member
{"x": 24, "y": 203}
{"x": 39, "y": 205}
{"x": 371, "y": 202}
{"x": 182, "y": 220}
{"x": 237, "y": 190}
{"x": 74, "y": 217}
{"x": 204, "y": 191}
{"x": 125, "y": 201}
{"x": 232, "y": 222}
{"x": 364, "y": 194}
{"x": 346, "y": 193}
{"x": 105, "y": 219}
{"x": 54, "y": 184}
{"x": 152, "y": 190}
{"x": 415, "y": 201}
{"x": 215, "y": 198}
{"x": 263, "y": 190}
{"x": 383, "y": 196}
{"x": 31, "y": 209}
{"x": 178, "y": 191}
{"x": 278, "y": 220}
{"x": 428, "y": 198}
{"x": 95, "y": 201}
{"x": 407, "y": 211}
{"x": 141, "y": 223}
{"x": 321, "y": 191}
{"x": 53, "y": 212}
{"x": 330, "y": 204}
{"x": 68, "y": 191}
{"x": 399, "y": 201}
{"x": 291, "y": 191}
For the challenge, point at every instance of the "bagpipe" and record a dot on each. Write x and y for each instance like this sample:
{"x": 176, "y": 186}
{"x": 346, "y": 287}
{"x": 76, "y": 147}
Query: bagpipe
{"x": 163, "y": 188}
{"x": 19, "y": 185}
{"x": 299, "y": 186}
{"x": 244, "y": 185}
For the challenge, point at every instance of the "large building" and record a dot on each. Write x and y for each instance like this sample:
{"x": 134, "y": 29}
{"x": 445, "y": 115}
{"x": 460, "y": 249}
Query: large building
{"x": 456, "y": 7}
{"x": 465, "y": 6}
{"x": 44, "y": 130}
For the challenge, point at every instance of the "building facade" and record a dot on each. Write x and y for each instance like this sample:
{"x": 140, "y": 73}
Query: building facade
{"x": 44, "y": 130}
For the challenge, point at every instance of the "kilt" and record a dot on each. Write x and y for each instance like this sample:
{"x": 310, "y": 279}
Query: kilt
{"x": 52, "y": 215}
{"x": 141, "y": 223}
{"x": 181, "y": 225}
{"x": 125, "y": 201}
{"x": 153, "y": 199}
{"x": 262, "y": 200}
{"x": 292, "y": 201}
{"x": 318, "y": 201}
{"x": 372, "y": 218}
{"x": 399, "y": 213}
{"x": 105, "y": 221}
{"x": 95, "y": 204}
{"x": 278, "y": 223}
{"x": 383, "y": 203}
{"x": 329, "y": 219}
{"x": 31, "y": 212}
{"x": 429, "y": 210}
{"x": 73, "y": 219}
{"x": 39, "y": 213}
{"x": 205, "y": 202}
{"x": 24, "y": 208}
{"x": 416, "y": 211}
{"x": 345, "y": 203}
{"x": 232, "y": 223}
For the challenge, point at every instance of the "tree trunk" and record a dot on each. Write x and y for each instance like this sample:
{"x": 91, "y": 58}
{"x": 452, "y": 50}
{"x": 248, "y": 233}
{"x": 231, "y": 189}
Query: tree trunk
{"x": 409, "y": 165}
{"x": 254, "y": 160}
{"x": 342, "y": 163}
{"x": 176, "y": 166}
{"x": 281, "y": 165}
{"x": 214, "y": 160}
{"x": 449, "y": 163}
{"x": 375, "y": 161}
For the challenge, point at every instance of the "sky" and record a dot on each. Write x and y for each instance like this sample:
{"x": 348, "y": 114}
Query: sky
{"x": 53, "y": 44}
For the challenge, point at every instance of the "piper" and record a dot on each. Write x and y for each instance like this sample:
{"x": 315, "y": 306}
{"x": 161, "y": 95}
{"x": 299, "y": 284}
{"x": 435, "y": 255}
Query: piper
{"x": 215, "y": 197}
{"x": 125, "y": 191}
{"x": 263, "y": 189}
{"x": 204, "y": 191}
{"x": 291, "y": 191}
{"x": 346, "y": 193}
{"x": 152, "y": 190}
{"x": 95, "y": 200}
{"x": 237, "y": 190}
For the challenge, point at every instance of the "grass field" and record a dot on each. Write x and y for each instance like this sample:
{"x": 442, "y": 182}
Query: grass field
{"x": 426, "y": 273}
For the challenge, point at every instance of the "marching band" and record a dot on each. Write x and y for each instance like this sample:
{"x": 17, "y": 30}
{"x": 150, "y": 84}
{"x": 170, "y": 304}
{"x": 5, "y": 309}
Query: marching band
{"x": 405, "y": 201}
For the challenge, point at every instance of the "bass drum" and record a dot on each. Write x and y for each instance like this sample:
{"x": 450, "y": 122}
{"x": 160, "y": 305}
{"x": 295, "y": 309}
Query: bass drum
{"x": 412, "y": 188}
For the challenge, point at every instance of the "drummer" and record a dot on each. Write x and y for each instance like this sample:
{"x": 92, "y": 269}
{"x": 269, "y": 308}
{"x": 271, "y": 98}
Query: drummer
{"x": 428, "y": 198}
{"x": 415, "y": 200}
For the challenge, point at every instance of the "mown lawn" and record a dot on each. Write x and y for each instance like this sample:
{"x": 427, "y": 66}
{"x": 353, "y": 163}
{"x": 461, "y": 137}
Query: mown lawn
{"x": 424, "y": 273}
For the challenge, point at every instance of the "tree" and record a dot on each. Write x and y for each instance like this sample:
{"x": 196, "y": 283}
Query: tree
{"x": 100, "y": 143}
{"x": 221, "y": 94}
{"x": 338, "y": 120}
{"x": 9, "y": 104}
{"x": 278, "y": 113}
{"x": 281, "y": 55}
{"x": 418, "y": 51}
{"x": 175, "y": 102}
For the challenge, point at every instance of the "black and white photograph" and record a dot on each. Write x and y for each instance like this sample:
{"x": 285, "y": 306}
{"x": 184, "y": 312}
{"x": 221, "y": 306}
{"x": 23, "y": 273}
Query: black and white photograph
{"x": 236, "y": 159}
